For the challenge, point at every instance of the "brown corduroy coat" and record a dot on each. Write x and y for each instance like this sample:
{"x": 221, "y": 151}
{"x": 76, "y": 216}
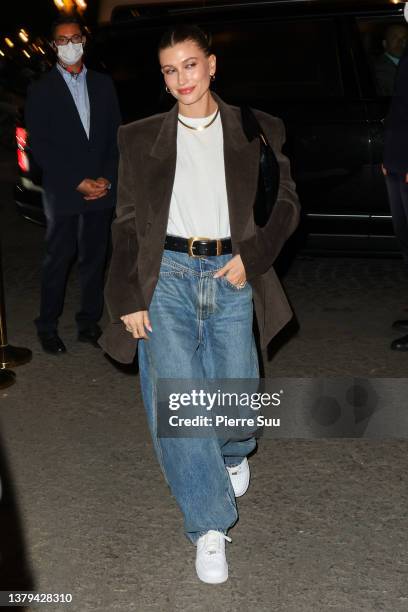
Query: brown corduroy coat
{"x": 148, "y": 154}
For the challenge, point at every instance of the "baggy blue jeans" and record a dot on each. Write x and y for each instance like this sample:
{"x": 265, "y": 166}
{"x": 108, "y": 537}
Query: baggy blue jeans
{"x": 202, "y": 328}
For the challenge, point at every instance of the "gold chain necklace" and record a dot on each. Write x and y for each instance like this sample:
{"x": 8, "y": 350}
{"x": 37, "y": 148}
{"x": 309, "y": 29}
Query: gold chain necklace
{"x": 200, "y": 128}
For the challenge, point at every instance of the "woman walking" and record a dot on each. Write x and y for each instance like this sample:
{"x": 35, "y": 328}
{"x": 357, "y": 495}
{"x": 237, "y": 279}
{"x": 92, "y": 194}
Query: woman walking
{"x": 188, "y": 301}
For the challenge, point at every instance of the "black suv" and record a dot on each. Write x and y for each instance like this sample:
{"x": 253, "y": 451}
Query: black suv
{"x": 311, "y": 63}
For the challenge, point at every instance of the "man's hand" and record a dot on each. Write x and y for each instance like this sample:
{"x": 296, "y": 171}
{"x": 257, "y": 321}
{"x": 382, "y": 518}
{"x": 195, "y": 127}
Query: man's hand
{"x": 136, "y": 323}
{"x": 92, "y": 190}
{"x": 103, "y": 181}
{"x": 385, "y": 173}
{"x": 234, "y": 271}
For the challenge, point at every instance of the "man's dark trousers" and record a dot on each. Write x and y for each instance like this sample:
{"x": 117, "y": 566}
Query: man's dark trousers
{"x": 397, "y": 188}
{"x": 85, "y": 237}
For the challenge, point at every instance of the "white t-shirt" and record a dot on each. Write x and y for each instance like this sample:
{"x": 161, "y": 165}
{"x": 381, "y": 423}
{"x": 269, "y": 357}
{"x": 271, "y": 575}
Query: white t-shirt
{"x": 199, "y": 204}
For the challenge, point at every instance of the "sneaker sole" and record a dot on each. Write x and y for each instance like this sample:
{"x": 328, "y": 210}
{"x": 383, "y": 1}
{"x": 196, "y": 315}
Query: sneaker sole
{"x": 208, "y": 580}
{"x": 241, "y": 493}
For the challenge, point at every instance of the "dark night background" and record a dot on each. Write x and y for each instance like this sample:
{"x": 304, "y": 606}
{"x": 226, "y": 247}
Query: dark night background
{"x": 36, "y": 17}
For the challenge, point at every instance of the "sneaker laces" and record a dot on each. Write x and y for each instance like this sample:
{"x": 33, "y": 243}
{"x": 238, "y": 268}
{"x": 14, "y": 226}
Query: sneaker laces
{"x": 213, "y": 540}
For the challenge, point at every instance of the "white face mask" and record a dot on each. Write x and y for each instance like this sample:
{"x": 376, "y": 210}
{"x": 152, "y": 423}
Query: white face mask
{"x": 71, "y": 53}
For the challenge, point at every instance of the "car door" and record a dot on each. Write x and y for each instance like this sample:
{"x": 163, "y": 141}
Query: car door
{"x": 370, "y": 31}
{"x": 301, "y": 70}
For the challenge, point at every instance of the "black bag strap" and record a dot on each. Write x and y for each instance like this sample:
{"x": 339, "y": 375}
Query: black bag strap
{"x": 251, "y": 126}
{"x": 269, "y": 170}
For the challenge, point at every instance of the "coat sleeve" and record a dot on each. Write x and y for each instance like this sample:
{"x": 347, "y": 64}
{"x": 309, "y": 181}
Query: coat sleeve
{"x": 259, "y": 251}
{"x": 123, "y": 294}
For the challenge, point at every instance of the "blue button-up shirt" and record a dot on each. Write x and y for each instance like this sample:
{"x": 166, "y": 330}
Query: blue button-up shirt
{"x": 79, "y": 90}
{"x": 395, "y": 60}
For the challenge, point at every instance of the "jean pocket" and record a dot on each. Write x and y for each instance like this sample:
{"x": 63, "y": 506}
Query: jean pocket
{"x": 235, "y": 287}
{"x": 168, "y": 267}
{"x": 166, "y": 262}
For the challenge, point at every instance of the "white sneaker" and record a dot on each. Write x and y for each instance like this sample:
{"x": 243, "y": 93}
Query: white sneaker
{"x": 240, "y": 475}
{"x": 211, "y": 564}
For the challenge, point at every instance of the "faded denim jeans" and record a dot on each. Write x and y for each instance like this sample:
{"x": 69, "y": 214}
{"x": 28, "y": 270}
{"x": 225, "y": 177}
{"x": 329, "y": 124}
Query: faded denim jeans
{"x": 202, "y": 328}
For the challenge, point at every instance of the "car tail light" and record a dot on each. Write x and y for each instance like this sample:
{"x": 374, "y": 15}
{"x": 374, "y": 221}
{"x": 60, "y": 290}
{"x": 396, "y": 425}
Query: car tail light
{"x": 22, "y": 158}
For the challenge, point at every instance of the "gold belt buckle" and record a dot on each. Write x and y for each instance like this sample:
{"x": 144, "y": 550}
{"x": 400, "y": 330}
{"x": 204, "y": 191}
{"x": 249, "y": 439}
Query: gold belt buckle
{"x": 194, "y": 239}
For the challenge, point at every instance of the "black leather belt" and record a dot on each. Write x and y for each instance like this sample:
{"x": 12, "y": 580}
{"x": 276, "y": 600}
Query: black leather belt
{"x": 198, "y": 246}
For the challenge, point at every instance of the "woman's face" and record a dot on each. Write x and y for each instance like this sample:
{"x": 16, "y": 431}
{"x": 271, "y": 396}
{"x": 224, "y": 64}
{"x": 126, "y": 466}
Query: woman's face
{"x": 187, "y": 71}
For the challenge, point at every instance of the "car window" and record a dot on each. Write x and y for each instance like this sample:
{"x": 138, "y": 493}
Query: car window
{"x": 129, "y": 55}
{"x": 383, "y": 41}
{"x": 257, "y": 61}
{"x": 278, "y": 59}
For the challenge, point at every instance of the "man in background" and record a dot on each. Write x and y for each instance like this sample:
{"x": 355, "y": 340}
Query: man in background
{"x": 72, "y": 116}
{"x": 395, "y": 170}
{"x": 395, "y": 40}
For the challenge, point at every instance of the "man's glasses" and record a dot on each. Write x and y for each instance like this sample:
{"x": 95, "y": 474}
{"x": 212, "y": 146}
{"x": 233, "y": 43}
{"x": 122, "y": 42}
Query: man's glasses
{"x": 64, "y": 40}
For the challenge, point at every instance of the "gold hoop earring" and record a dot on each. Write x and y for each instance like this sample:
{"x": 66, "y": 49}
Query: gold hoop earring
{"x": 167, "y": 89}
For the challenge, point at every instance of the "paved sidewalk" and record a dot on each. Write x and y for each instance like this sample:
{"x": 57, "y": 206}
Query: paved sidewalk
{"x": 323, "y": 525}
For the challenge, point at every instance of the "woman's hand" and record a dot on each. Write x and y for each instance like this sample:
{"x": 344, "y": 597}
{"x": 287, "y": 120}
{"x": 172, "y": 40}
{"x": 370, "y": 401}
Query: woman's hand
{"x": 234, "y": 272}
{"x": 136, "y": 322}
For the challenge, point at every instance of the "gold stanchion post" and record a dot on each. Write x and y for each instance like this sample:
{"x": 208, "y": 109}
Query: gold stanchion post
{"x": 7, "y": 378}
{"x": 10, "y": 356}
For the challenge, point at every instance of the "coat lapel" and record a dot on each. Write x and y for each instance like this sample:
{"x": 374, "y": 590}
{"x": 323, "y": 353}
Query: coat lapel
{"x": 241, "y": 160}
{"x": 69, "y": 103}
{"x": 92, "y": 96}
{"x": 162, "y": 167}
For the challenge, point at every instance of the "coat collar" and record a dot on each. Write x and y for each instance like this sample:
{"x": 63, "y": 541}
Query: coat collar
{"x": 234, "y": 137}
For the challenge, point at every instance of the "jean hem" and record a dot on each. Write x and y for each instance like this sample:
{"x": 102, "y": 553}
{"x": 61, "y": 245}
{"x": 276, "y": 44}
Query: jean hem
{"x": 195, "y": 535}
